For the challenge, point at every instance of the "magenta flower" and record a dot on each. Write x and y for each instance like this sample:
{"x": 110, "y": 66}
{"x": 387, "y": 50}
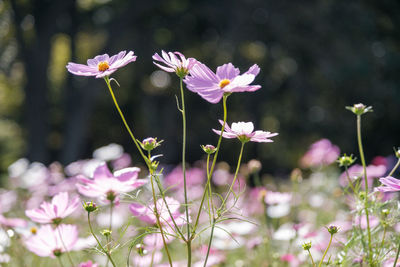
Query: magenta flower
{"x": 108, "y": 186}
{"x": 49, "y": 242}
{"x": 60, "y": 207}
{"x": 244, "y": 131}
{"x": 102, "y": 65}
{"x": 320, "y": 153}
{"x": 389, "y": 184}
{"x": 174, "y": 62}
{"x": 88, "y": 264}
{"x": 227, "y": 79}
{"x": 146, "y": 213}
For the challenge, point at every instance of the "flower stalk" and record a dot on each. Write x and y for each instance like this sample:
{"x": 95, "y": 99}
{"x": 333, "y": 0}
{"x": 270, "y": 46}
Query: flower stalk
{"x": 360, "y": 147}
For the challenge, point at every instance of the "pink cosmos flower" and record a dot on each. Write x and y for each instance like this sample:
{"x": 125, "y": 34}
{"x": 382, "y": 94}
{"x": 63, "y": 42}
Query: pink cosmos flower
{"x": 389, "y": 184}
{"x": 356, "y": 171}
{"x": 60, "y": 207}
{"x": 49, "y": 242}
{"x": 88, "y": 264}
{"x": 212, "y": 86}
{"x": 12, "y": 222}
{"x": 320, "y": 153}
{"x": 244, "y": 131}
{"x": 102, "y": 65}
{"x": 274, "y": 198}
{"x": 146, "y": 214}
{"x": 174, "y": 62}
{"x": 108, "y": 186}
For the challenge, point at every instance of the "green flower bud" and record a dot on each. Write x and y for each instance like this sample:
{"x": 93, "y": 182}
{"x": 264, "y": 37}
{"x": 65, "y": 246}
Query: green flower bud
{"x": 346, "y": 161}
{"x": 209, "y": 149}
{"x": 333, "y": 229}
{"x": 90, "y": 206}
{"x": 306, "y": 245}
{"x": 359, "y": 109}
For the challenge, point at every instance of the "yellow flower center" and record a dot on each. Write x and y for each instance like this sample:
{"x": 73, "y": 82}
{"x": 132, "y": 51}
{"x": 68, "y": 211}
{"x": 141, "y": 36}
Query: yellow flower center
{"x": 33, "y": 230}
{"x": 224, "y": 83}
{"x": 103, "y": 66}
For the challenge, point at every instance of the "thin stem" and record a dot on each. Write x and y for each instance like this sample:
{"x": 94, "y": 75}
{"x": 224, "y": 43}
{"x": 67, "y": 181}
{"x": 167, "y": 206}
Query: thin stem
{"x": 210, "y": 200}
{"x": 223, "y": 203}
{"x": 107, "y": 80}
{"x": 110, "y": 229}
{"x": 235, "y": 177}
{"x": 395, "y": 167}
{"x": 311, "y": 257}
{"x": 360, "y": 147}
{"x": 326, "y": 251}
{"x": 209, "y": 243}
{"x": 60, "y": 261}
{"x": 349, "y": 180}
{"x": 98, "y": 242}
{"x": 183, "y": 112}
{"x": 383, "y": 238}
{"x": 158, "y": 220}
{"x": 65, "y": 247}
{"x": 225, "y": 97}
{"x": 397, "y": 256}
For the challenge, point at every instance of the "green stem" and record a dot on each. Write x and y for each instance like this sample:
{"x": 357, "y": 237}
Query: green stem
{"x": 397, "y": 256}
{"x": 65, "y": 247}
{"x": 107, "y": 80}
{"x": 183, "y": 112}
{"x": 395, "y": 167}
{"x": 311, "y": 257}
{"x": 235, "y": 177}
{"x": 326, "y": 251}
{"x": 360, "y": 147}
{"x": 209, "y": 243}
{"x": 98, "y": 242}
{"x": 60, "y": 261}
{"x": 223, "y": 203}
{"x": 158, "y": 220}
{"x": 225, "y": 97}
{"x": 383, "y": 239}
{"x": 350, "y": 182}
{"x": 110, "y": 229}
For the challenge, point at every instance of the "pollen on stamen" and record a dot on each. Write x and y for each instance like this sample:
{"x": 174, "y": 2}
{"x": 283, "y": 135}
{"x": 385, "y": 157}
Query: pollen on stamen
{"x": 103, "y": 66}
{"x": 224, "y": 83}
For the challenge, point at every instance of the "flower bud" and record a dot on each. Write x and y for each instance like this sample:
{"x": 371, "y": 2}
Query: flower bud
{"x": 346, "y": 161}
{"x": 397, "y": 152}
{"x": 385, "y": 212}
{"x": 106, "y": 232}
{"x": 209, "y": 149}
{"x": 296, "y": 175}
{"x": 150, "y": 143}
{"x": 333, "y": 229}
{"x": 90, "y": 206}
{"x": 359, "y": 109}
{"x": 306, "y": 245}
{"x": 254, "y": 166}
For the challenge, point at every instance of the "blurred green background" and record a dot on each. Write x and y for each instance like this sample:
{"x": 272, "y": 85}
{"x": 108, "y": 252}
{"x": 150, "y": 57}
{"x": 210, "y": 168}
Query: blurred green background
{"x": 316, "y": 57}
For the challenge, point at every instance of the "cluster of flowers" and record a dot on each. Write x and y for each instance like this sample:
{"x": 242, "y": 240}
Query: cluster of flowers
{"x": 144, "y": 219}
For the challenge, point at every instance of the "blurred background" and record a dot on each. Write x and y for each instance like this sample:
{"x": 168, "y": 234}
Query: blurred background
{"x": 316, "y": 57}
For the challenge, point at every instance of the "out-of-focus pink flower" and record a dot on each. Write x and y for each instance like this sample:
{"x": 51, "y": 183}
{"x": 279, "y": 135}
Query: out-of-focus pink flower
{"x": 274, "y": 198}
{"x": 390, "y": 263}
{"x": 291, "y": 259}
{"x": 244, "y": 131}
{"x": 215, "y": 257}
{"x": 88, "y": 264}
{"x": 194, "y": 176}
{"x": 362, "y": 221}
{"x": 212, "y": 86}
{"x": 122, "y": 162}
{"x": 146, "y": 214}
{"x": 108, "y": 152}
{"x": 49, "y": 242}
{"x": 108, "y": 186}
{"x": 102, "y": 65}
{"x": 12, "y": 222}
{"x": 174, "y": 62}
{"x": 320, "y": 153}
{"x": 195, "y": 179}
{"x": 146, "y": 259}
{"x": 356, "y": 171}
{"x": 389, "y": 184}
{"x": 7, "y": 200}
{"x": 60, "y": 207}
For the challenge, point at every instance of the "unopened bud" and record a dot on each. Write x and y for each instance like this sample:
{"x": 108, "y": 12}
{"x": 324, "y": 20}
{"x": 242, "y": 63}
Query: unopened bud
{"x": 150, "y": 143}
{"x": 333, "y": 229}
{"x": 209, "y": 149}
{"x": 90, "y": 206}
{"x": 346, "y": 161}
{"x": 359, "y": 109}
{"x": 306, "y": 245}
